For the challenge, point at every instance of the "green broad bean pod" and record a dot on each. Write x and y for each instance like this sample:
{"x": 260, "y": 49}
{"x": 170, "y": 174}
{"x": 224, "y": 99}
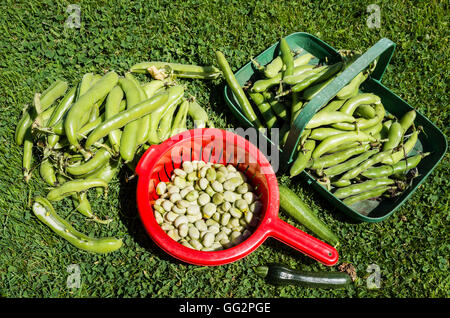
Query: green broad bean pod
{"x": 174, "y": 97}
{"x": 336, "y": 140}
{"x": 329, "y": 118}
{"x": 99, "y": 159}
{"x": 356, "y": 171}
{"x": 45, "y": 212}
{"x": 398, "y": 168}
{"x": 324, "y": 132}
{"x": 74, "y": 186}
{"x": 237, "y": 90}
{"x": 404, "y": 150}
{"x": 336, "y": 158}
{"x": 358, "y": 188}
{"x": 179, "y": 70}
{"x": 85, "y": 103}
{"x": 371, "y": 194}
{"x": 351, "y": 88}
{"x": 395, "y": 135}
{"x": 112, "y": 107}
{"x": 361, "y": 99}
{"x": 347, "y": 165}
{"x": 302, "y": 159}
{"x": 286, "y": 57}
{"x": 24, "y": 124}
{"x": 165, "y": 124}
{"x": 179, "y": 122}
{"x": 407, "y": 120}
{"x": 199, "y": 115}
{"x": 129, "y": 139}
{"x": 47, "y": 172}
{"x": 264, "y": 108}
{"x": 121, "y": 119}
{"x": 63, "y": 107}
{"x": 51, "y": 94}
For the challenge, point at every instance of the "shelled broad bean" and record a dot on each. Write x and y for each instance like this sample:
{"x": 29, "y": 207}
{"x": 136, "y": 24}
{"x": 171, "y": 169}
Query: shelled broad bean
{"x": 207, "y": 220}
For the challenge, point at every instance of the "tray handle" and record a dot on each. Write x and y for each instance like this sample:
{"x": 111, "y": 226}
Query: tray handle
{"x": 383, "y": 49}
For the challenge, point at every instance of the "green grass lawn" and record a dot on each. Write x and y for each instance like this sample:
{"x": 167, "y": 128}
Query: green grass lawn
{"x": 411, "y": 248}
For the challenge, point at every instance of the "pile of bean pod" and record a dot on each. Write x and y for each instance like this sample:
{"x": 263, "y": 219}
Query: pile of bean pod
{"x": 207, "y": 206}
{"x": 82, "y": 135}
{"x": 351, "y": 145}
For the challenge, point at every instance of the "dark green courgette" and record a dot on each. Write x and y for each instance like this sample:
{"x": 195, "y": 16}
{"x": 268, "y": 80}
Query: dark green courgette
{"x": 278, "y": 274}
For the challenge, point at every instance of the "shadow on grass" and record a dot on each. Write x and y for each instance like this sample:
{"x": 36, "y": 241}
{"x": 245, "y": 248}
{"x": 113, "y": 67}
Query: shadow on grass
{"x": 129, "y": 216}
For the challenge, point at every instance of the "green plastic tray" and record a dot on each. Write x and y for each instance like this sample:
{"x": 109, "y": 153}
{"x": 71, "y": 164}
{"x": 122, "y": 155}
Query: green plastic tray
{"x": 430, "y": 140}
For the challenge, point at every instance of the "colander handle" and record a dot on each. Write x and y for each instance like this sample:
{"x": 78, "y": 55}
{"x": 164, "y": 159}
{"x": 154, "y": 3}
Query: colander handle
{"x": 304, "y": 242}
{"x": 382, "y": 50}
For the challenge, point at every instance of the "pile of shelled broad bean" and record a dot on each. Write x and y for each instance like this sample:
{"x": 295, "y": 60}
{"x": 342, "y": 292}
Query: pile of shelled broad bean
{"x": 207, "y": 206}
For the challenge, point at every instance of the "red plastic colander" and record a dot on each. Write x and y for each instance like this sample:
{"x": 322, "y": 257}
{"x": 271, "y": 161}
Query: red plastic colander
{"x": 221, "y": 146}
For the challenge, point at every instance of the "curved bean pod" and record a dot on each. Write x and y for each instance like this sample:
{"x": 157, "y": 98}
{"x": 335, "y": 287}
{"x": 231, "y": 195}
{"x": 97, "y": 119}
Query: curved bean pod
{"x": 62, "y": 107}
{"x": 24, "y": 124}
{"x": 199, "y": 115}
{"x": 47, "y": 172}
{"x": 27, "y": 158}
{"x": 348, "y": 90}
{"x": 336, "y": 140}
{"x": 179, "y": 70}
{"x": 337, "y": 157}
{"x": 362, "y": 99}
{"x": 296, "y": 107}
{"x": 237, "y": 90}
{"x": 112, "y": 107}
{"x": 315, "y": 89}
{"x": 318, "y": 77}
{"x": 300, "y": 74}
{"x": 328, "y": 118}
{"x": 99, "y": 158}
{"x": 362, "y": 123}
{"x": 83, "y": 205}
{"x": 121, "y": 119}
{"x": 175, "y": 94}
{"x": 349, "y": 164}
{"x": 264, "y": 84}
{"x": 179, "y": 122}
{"x": 302, "y": 158}
{"x": 365, "y": 111}
{"x": 52, "y": 93}
{"x": 395, "y": 135}
{"x": 44, "y": 211}
{"x": 144, "y": 122}
{"x": 128, "y": 139}
{"x": 152, "y": 87}
{"x": 74, "y": 186}
{"x": 404, "y": 150}
{"x": 371, "y": 194}
{"x": 166, "y": 122}
{"x": 357, "y": 188}
{"x": 400, "y": 167}
{"x": 324, "y": 132}
{"x": 286, "y": 57}
{"x": 274, "y": 67}
{"x": 84, "y": 104}
{"x": 377, "y": 158}
{"x": 374, "y": 130}
{"x": 407, "y": 120}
